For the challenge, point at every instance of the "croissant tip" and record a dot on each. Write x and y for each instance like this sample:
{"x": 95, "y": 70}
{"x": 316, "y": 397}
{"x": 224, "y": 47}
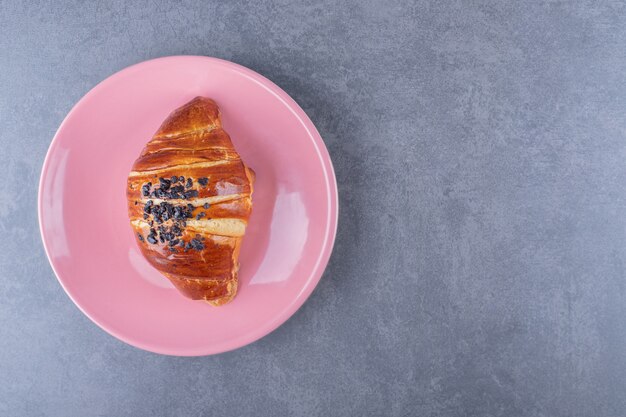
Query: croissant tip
{"x": 220, "y": 301}
{"x": 232, "y": 291}
{"x": 202, "y": 99}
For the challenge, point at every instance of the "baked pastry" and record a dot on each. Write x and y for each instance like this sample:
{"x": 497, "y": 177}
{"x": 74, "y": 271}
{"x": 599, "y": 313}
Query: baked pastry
{"x": 189, "y": 199}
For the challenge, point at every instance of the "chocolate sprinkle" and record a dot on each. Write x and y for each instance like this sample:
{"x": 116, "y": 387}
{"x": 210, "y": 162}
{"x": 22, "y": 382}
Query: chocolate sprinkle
{"x": 189, "y": 183}
{"x": 197, "y": 244}
{"x": 140, "y": 237}
{"x": 176, "y": 192}
{"x": 203, "y": 181}
{"x": 190, "y": 193}
{"x": 206, "y": 206}
{"x": 165, "y": 184}
{"x": 178, "y": 213}
{"x": 151, "y": 239}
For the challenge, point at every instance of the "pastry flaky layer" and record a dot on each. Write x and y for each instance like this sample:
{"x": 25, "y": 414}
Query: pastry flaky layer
{"x": 189, "y": 200}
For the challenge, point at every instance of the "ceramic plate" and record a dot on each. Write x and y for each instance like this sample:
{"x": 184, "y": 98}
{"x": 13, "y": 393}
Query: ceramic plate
{"x": 85, "y": 229}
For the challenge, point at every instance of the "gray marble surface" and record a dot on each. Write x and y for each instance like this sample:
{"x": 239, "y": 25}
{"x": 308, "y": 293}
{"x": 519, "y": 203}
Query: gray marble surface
{"x": 480, "y": 263}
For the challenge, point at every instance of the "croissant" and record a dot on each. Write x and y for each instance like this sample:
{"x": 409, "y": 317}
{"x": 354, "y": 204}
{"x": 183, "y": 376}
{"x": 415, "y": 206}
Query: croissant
{"x": 189, "y": 200}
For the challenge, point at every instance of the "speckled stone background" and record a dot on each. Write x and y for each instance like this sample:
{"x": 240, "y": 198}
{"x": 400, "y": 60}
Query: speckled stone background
{"x": 480, "y": 263}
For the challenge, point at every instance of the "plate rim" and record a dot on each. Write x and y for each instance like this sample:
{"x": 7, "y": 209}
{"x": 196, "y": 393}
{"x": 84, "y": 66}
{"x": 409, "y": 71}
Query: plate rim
{"x": 329, "y": 239}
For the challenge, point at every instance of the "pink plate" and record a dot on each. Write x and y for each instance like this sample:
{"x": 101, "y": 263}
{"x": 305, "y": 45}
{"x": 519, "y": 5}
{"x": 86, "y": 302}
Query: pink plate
{"x": 85, "y": 229}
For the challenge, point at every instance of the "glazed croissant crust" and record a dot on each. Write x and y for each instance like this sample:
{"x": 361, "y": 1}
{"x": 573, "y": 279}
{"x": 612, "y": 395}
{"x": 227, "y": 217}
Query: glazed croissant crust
{"x": 189, "y": 199}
